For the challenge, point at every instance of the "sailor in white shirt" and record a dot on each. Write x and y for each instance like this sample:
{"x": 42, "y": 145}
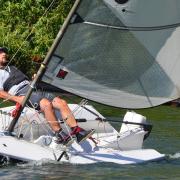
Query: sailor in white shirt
{"x": 14, "y": 85}
{"x": 4, "y": 75}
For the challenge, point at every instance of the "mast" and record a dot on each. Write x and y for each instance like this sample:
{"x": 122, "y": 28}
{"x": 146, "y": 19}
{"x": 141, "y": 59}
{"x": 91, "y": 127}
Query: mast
{"x": 43, "y": 66}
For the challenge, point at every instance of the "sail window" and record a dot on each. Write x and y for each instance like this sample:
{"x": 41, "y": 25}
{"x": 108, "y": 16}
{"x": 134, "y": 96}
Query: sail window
{"x": 62, "y": 74}
{"x": 121, "y": 1}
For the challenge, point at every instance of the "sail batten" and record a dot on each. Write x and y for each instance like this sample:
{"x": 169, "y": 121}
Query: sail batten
{"x": 111, "y": 60}
{"x": 131, "y": 28}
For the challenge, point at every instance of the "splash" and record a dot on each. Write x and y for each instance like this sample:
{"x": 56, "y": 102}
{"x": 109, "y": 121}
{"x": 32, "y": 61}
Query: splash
{"x": 38, "y": 163}
{"x": 175, "y": 156}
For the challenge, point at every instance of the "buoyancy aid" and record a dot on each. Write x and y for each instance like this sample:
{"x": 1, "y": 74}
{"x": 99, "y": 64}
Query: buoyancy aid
{"x": 15, "y": 77}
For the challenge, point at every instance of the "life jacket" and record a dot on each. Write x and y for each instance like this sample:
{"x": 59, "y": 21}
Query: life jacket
{"x": 15, "y": 77}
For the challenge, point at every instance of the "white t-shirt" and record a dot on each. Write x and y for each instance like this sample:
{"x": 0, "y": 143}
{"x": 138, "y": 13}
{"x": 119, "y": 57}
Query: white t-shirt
{"x": 4, "y": 75}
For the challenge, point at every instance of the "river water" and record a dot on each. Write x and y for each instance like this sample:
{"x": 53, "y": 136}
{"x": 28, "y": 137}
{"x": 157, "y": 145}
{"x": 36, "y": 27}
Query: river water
{"x": 165, "y": 138}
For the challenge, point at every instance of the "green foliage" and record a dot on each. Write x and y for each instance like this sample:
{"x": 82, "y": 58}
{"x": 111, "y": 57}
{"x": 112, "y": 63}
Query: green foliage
{"x": 24, "y": 25}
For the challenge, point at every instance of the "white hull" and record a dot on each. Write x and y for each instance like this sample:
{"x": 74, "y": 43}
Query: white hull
{"x": 26, "y": 151}
{"x": 124, "y": 147}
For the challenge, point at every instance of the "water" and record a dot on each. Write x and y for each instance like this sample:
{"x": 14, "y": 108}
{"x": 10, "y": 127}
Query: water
{"x": 164, "y": 138}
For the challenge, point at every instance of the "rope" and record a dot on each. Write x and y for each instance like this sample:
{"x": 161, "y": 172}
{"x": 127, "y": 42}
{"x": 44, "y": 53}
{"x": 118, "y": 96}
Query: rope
{"x": 33, "y": 28}
{"x": 31, "y": 31}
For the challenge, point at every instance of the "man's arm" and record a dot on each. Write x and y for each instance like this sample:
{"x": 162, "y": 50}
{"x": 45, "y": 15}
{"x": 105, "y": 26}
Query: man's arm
{"x": 6, "y": 95}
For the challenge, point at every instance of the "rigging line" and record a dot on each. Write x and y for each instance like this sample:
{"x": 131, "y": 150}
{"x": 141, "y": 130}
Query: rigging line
{"x": 145, "y": 92}
{"x": 43, "y": 124}
{"x": 33, "y": 28}
{"x": 129, "y": 122}
{"x": 131, "y": 28}
{"x": 25, "y": 41}
{"x": 87, "y": 109}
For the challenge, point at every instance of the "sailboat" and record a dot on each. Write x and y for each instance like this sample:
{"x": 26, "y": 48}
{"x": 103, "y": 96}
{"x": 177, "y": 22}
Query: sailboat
{"x": 121, "y": 53}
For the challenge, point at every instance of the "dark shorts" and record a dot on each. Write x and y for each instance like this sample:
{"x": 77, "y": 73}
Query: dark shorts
{"x": 36, "y": 96}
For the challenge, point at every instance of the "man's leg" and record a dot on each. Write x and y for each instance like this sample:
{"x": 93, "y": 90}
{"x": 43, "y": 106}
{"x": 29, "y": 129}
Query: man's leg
{"x": 60, "y": 135}
{"x": 47, "y": 108}
{"x": 67, "y": 115}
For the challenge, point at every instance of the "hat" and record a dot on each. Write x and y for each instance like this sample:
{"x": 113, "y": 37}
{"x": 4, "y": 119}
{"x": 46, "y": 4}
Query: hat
{"x": 4, "y": 49}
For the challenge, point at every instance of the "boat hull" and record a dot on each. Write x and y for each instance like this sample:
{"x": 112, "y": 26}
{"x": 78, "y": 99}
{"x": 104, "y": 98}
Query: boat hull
{"x": 26, "y": 151}
{"x": 33, "y": 140}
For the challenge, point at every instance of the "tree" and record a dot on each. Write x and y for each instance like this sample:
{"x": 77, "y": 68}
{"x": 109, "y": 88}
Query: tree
{"x": 24, "y": 25}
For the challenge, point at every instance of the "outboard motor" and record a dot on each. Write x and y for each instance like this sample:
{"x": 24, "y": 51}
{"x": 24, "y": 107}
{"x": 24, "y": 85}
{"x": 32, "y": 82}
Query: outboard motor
{"x": 133, "y": 131}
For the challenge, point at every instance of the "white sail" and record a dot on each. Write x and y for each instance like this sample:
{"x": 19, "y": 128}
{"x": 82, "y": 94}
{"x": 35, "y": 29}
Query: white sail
{"x": 98, "y": 54}
{"x": 120, "y": 53}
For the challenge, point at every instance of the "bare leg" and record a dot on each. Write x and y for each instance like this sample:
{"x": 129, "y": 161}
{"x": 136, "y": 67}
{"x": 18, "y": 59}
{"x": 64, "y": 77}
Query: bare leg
{"x": 47, "y": 108}
{"x": 61, "y": 104}
{"x": 66, "y": 113}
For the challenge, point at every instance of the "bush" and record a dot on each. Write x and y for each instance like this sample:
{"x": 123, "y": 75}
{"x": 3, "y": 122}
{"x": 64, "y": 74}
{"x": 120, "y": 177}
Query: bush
{"x": 28, "y": 32}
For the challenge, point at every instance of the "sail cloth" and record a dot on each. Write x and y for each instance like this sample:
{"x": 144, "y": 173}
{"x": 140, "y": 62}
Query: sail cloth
{"x": 122, "y": 53}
